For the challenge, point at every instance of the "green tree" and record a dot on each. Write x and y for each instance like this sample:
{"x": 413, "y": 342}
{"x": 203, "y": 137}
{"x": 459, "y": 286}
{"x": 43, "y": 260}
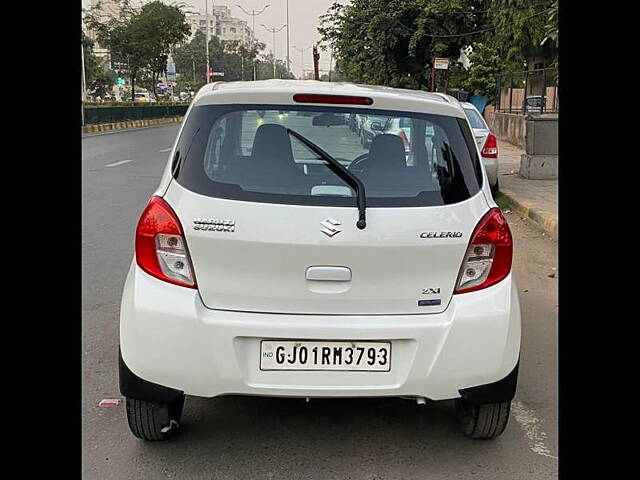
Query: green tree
{"x": 124, "y": 38}
{"x": 191, "y": 61}
{"x": 231, "y": 57}
{"x": 519, "y": 30}
{"x": 98, "y": 77}
{"x": 140, "y": 39}
{"x": 392, "y": 42}
{"x": 551, "y": 31}
{"x": 485, "y": 67}
{"x": 265, "y": 68}
{"x": 164, "y": 26}
{"x": 91, "y": 62}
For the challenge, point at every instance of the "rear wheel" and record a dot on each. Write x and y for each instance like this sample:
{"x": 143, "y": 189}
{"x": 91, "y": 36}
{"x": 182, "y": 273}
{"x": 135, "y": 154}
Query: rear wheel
{"x": 483, "y": 421}
{"x": 154, "y": 421}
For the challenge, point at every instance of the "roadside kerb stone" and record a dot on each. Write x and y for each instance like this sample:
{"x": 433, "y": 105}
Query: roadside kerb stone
{"x": 104, "y": 127}
{"x": 546, "y": 220}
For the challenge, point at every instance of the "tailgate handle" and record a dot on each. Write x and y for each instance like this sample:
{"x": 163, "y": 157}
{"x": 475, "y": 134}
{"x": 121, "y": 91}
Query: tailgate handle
{"x": 331, "y": 274}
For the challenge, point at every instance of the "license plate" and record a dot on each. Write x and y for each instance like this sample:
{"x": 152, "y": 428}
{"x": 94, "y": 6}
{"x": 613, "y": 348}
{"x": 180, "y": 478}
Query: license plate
{"x": 340, "y": 356}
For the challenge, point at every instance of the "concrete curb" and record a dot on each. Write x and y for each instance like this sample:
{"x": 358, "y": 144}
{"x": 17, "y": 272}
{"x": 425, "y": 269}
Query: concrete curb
{"x": 106, "y": 127}
{"x": 546, "y": 220}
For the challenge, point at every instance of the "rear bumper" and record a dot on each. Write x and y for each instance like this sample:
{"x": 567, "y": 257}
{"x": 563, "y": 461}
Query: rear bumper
{"x": 168, "y": 337}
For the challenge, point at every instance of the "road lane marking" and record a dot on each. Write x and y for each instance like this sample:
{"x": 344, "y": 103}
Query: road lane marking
{"x": 115, "y": 164}
{"x": 165, "y": 150}
{"x": 530, "y": 424}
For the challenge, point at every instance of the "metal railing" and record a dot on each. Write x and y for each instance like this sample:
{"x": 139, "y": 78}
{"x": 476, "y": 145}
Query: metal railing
{"x": 111, "y": 114}
{"x": 528, "y": 92}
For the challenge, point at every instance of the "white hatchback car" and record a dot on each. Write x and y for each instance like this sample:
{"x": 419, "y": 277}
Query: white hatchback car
{"x": 277, "y": 259}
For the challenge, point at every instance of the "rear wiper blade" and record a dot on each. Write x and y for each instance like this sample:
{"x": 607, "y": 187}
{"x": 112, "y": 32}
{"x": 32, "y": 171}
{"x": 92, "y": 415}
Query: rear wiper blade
{"x": 337, "y": 168}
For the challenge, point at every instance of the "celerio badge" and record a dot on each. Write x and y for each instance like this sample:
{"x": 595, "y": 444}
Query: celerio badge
{"x": 441, "y": 235}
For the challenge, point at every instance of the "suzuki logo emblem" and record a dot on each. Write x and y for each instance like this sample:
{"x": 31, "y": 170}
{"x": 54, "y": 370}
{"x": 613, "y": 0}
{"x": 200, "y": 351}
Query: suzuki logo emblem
{"x": 330, "y": 228}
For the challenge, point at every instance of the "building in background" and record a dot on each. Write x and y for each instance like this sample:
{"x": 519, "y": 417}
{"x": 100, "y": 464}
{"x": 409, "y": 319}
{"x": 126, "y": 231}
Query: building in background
{"x": 198, "y": 21}
{"x": 221, "y": 24}
{"x": 230, "y": 28}
{"x": 108, "y": 9}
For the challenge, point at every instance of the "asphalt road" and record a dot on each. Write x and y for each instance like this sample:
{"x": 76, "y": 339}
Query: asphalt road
{"x": 269, "y": 438}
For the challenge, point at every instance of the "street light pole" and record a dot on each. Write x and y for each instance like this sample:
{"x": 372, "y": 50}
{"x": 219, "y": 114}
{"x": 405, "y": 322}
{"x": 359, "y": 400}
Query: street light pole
{"x": 288, "y": 61}
{"x": 301, "y": 50}
{"x": 253, "y": 14}
{"x": 273, "y": 30}
{"x": 206, "y": 9}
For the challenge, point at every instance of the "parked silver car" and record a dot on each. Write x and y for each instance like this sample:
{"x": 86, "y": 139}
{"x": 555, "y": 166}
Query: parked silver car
{"x": 487, "y": 144}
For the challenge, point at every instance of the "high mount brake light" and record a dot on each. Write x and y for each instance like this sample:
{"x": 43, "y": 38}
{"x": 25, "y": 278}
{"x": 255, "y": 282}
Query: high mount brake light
{"x": 335, "y": 99}
{"x": 161, "y": 249}
{"x": 488, "y": 257}
{"x": 490, "y": 149}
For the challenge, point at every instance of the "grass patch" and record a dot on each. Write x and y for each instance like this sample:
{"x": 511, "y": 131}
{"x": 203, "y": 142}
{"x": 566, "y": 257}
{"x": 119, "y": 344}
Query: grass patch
{"x": 502, "y": 201}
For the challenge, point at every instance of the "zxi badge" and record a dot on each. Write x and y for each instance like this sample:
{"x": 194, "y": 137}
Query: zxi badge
{"x": 330, "y": 227}
{"x": 430, "y": 291}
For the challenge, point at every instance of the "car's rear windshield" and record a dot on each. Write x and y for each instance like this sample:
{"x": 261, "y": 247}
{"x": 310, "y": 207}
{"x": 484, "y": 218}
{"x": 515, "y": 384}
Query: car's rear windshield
{"x": 246, "y": 152}
{"x": 474, "y": 118}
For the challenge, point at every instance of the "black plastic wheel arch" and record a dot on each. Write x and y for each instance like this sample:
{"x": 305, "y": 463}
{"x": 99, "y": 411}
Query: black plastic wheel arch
{"x": 501, "y": 391}
{"x": 132, "y": 386}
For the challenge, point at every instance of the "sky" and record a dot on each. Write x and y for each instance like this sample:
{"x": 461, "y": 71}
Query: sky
{"x": 303, "y": 23}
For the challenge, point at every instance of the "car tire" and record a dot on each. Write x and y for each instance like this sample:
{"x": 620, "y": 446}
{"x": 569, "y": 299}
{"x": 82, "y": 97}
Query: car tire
{"x": 495, "y": 188}
{"x": 154, "y": 421}
{"x": 484, "y": 421}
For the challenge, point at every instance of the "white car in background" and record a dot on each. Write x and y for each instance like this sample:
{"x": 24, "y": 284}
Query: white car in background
{"x": 276, "y": 259}
{"x": 487, "y": 144}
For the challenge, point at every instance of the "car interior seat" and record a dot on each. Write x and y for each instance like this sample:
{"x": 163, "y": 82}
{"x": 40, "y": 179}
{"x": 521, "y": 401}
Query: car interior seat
{"x": 386, "y": 166}
{"x": 271, "y": 167}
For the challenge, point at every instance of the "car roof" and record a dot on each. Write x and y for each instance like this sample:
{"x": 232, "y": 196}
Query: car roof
{"x": 471, "y": 106}
{"x": 281, "y": 92}
{"x": 468, "y": 105}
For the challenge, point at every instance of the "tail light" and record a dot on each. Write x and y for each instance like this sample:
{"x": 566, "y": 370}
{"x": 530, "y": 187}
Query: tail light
{"x": 490, "y": 149}
{"x": 161, "y": 249}
{"x": 488, "y": 257}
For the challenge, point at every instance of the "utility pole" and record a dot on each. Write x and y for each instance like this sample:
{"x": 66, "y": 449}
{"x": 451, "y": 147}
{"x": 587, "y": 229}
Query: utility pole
{"x": 330, "y": 62}
{"x": 433, "y": 74}
{"x": 253, "y": 14}
{"x": 316, "y": 60}
{"x": 83, "y": 96}
{"x": 301, "y": 50}
{"x": 288, "y": 61}
{"x": 206, "y": 9}
{"x": 274, "y": 31}
{"x": 84, "y": 88}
